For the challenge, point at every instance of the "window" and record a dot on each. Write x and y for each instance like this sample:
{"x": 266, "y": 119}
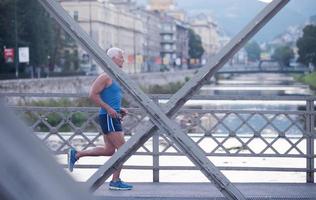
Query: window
{"x": 167, "y": 37}
{"x": 167, "y": 46}
{"x": 166, "y": 27}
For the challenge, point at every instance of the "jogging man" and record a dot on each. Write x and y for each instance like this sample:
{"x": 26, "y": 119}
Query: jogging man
{"x": 107, "y": 94}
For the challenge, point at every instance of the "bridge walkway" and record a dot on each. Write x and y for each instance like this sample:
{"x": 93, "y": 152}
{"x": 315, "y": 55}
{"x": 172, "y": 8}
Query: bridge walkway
{"x": 207, "y": 191}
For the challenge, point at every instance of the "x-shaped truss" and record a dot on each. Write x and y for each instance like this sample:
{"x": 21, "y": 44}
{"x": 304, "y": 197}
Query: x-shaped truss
{"x": 160, "y": 116}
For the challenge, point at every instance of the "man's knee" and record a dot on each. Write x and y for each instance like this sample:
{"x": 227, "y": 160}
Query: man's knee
{"x": 111, "y": 152}
{"x": 117, "y": 139}
{"x": 121, "y": 143}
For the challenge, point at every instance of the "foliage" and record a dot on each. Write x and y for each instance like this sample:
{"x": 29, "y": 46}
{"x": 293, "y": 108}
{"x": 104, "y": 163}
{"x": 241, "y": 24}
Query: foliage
{"x": 66, "y": 52}
{"x": 33, "y": 28}
{"x": 36, "y": 30}
{"x": 253, "y": 51}
{"x": 6, "y": 35}
{"x": 283, "y": 54}
{"x": 78, "y": 118}
{"x": 196, "y": 49}
{"x": 309, "y": 79}
{"x": 170, "y": 88}
{"x": 307, "y": 45}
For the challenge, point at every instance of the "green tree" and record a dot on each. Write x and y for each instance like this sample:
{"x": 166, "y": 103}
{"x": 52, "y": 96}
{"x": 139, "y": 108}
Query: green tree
{"x": 65, "y": 51}
{"x": 283, "y": 54}
{"x": 69, "y": 53}
{"x": 36, "y": 32}
{"x": 307, "y": 45}
{"x": 34, "y": 28}
{"x": 196, "y": 49}
{"x": 7, "y": 37}
{"x": 253, "y": 51}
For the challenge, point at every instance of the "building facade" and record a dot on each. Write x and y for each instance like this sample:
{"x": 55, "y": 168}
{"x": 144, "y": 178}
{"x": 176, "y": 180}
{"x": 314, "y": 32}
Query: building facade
{"x": 174, "y": 42}
{"x": 109, "y": 27}
{"x": 152, "y": 46}
{"x": 152, "y": 25}
{"x": 152, "y": 39}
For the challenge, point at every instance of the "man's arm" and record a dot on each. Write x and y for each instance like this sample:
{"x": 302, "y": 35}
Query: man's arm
{"x": 98, "y": 85}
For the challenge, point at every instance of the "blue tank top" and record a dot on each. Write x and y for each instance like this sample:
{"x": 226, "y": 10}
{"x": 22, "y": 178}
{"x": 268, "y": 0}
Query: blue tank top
{"x": 112, "y": 96}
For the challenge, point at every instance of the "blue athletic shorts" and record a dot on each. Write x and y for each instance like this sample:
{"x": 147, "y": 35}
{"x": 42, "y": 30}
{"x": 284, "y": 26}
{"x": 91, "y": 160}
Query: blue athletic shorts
{"x": 109, "y": 124}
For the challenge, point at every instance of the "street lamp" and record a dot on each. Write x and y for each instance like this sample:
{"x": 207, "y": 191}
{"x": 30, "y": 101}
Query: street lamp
{"x": 16, "y": 41}
{"x": 48, "y": 65}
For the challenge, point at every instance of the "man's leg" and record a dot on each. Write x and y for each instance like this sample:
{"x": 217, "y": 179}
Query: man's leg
{"x": 107, "y": 150}
{"x": 74, "y": 155}
{"x": 117, "y": 140}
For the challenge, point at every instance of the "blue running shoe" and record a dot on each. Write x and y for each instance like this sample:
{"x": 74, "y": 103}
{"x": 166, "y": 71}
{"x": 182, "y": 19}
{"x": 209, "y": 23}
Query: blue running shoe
{"x": 120, "y": 185}
{"x": 71, "y": 158}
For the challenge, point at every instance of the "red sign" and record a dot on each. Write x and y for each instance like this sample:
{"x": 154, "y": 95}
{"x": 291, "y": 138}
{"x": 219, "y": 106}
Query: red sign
{"x": 130, "y": 59}
{"x": 9, "y": 55}
{"x": 158, "y": 60}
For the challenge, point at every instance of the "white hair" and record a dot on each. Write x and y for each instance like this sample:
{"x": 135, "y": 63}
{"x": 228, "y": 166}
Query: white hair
{"x": 114, "y": 51}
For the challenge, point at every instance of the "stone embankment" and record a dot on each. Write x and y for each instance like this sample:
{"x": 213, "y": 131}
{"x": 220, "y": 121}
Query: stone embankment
{"x": 81, "y": 84}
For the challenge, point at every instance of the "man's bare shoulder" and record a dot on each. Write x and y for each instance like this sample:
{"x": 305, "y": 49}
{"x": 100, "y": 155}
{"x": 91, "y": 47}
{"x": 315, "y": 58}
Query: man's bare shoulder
{"x": 103, "y": 77}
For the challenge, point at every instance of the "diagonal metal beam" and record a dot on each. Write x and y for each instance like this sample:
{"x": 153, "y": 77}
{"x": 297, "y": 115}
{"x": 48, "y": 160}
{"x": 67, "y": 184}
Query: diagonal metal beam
{"x": 158, "y": 117}
{"x": 195, "y": 153}
{"x": 144, "y": 132}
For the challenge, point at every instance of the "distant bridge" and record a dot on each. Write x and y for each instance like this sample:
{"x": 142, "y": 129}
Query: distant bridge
{"x": 241, "y": 69}
{"x": 256, "y": 71}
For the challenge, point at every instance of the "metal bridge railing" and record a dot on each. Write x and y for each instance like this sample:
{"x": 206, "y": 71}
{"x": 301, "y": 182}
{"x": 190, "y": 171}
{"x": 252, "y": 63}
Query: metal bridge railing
{"x": 220, "y": 132}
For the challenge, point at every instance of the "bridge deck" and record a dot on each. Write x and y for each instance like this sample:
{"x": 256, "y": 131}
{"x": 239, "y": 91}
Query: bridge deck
{"x": 203, "y": 191}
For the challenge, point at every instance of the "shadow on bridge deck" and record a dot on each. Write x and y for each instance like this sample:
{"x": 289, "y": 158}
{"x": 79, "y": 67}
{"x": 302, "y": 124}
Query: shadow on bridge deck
{"x": 207, "y": 191}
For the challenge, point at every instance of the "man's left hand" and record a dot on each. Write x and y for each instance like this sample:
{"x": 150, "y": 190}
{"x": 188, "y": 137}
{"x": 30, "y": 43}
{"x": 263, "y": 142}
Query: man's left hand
{"x": 124, "y": 112}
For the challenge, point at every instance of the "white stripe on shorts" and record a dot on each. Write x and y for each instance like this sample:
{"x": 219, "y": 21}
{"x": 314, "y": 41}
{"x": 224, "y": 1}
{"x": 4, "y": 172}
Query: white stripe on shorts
{"x": 107, "y": 121}
{"x": 112, "y": 124}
